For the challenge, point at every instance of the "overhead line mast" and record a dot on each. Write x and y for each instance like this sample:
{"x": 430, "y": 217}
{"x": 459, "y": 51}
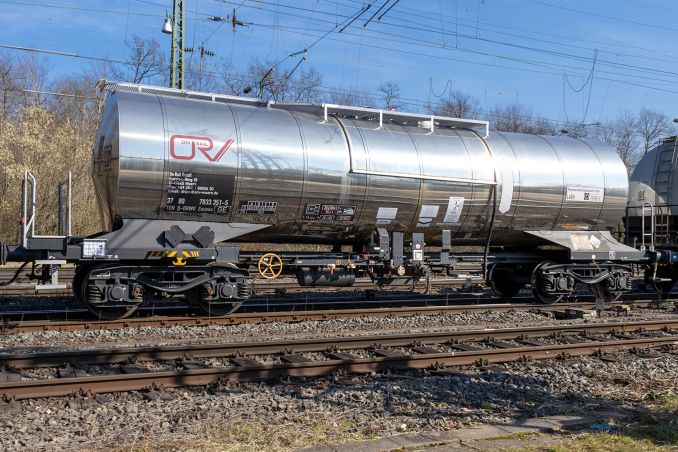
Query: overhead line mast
{"x": 177, "y": 56}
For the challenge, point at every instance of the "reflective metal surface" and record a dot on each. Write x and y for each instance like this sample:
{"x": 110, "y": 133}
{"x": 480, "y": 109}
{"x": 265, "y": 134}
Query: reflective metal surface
{"x": 334, "y": 181}
{"x": 653, "y": 180}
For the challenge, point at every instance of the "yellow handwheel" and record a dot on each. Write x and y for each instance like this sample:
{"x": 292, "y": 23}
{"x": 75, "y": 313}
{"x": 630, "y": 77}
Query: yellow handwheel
{"x": 270, "y": 265}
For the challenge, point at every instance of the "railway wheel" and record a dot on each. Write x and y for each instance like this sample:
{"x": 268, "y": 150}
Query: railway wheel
{"x": 600, "y": 290}
{"x": 270, "y": 266}
{"x": 543, "y": 285}
{"x": 92, "y": 295}
{"x": 211, "y": 304}
{"x": 80, "y": 273}
{"x": 505, "y": 282}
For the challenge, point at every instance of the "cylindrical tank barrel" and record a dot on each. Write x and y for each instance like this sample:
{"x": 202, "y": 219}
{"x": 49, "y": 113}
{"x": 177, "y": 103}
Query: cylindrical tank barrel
{"x": 335, "y": 179}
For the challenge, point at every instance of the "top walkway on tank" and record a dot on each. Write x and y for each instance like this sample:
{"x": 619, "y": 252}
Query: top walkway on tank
{"x": 324, "y": 110}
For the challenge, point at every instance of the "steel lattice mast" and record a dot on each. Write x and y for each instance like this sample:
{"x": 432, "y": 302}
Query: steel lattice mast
{"x": 177, "y": 57}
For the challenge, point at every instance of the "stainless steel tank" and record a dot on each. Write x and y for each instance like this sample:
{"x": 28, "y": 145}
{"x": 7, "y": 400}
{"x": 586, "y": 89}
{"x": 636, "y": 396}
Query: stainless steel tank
{"x": 330, "y": 174}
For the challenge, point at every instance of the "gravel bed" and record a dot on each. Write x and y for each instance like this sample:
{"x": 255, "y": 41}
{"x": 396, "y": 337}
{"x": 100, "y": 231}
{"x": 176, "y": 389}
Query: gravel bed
{"x": 132, "y": 337}
{"x": 277, "y": 415}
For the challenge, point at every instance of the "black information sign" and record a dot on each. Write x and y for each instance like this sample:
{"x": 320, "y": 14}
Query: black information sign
{"x": 258, "y": 207}
{"x": 328, "y": 212}
{"x": 190, "y": 192}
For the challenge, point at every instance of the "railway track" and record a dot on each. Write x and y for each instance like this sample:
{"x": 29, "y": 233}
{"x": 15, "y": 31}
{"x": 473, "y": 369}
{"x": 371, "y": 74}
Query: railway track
{"x": 192, "y": 365}
{"x": 24, "y": 286}
{"x": 13, "y": 326}
{"x": 27, "y": 289}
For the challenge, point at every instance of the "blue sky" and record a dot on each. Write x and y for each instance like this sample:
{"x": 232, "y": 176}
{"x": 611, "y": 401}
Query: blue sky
{"x": 540, "y": 53}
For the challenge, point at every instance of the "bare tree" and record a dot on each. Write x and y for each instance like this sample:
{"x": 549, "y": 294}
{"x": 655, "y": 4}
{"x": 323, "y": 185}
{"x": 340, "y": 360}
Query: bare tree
{"x": 306, "y": 86}
{"x": 541, "y": 126}
{"x": 510, "y": 118}
{"x": 233, "y": 82}
{"x": 22, "y": 82}
{"x": 267, "y": 81}
{"x": 576, "y": 129}
{"x": 203, "y": 76}
{"x": 7, "y": 85}
{"x": 390, "y": 95}
{"x": 652, "y": 126}
{"x": 79, "y": 101}
{"x": 270, "y": 82}
{"x": 146, "y": 62}
{"x": 458, "y": 105}
{"x": 31, "y": 74}
{"x": 351, "y": 98}
{"x": 519, "y": 118}
{"x": 622, "y": 134}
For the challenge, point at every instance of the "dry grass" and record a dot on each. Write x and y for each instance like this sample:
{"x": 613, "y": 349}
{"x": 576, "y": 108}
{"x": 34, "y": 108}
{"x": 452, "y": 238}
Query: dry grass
{"x": 655, "y": 430}
{"x": 599, "y": 442}
{"x": 516, "y": 436}
{"x": 246, "y": 436}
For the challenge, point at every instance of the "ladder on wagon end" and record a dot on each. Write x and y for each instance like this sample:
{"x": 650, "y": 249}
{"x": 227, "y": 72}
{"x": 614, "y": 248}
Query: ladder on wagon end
{"x": 645, "y": 235}
{"x": 27, "y": 221}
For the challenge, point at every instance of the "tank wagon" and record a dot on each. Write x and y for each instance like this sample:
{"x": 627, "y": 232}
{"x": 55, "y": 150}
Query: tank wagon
{"x": 651, "y": 222}
{"x": 183, "y": 178}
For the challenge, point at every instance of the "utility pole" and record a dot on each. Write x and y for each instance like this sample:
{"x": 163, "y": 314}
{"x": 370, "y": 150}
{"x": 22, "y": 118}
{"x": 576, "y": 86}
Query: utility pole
{"x": 177, "y": 58}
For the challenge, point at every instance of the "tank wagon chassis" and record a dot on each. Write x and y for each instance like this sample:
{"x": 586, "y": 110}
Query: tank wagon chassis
{"x": 180, "y": 176}
{"x": 113, "y": 279}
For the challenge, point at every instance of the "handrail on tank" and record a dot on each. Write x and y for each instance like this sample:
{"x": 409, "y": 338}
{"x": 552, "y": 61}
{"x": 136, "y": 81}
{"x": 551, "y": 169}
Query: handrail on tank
{"x": 429, "y": 121}
{"x": 324, "y": 110}
{"x": 27, "y": 219}
{"x": 29, "y": 207}
{"x": 647, "y": 206}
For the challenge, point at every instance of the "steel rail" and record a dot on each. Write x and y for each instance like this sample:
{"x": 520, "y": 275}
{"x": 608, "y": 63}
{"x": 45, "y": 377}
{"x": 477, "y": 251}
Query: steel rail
{"x": 199, "y": 377}
{"x": 20, "y": 360}
{"x": 18, "y": 326}
{"x": 24, "y": 288}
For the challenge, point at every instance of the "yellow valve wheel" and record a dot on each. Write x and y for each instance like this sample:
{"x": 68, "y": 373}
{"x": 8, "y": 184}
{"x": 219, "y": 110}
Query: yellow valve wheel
{"x": 270, "y": 266}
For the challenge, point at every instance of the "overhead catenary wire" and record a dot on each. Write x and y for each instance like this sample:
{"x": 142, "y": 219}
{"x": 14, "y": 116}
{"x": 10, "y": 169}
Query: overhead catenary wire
{"x": 616, "y": 80}
{"x": 588, "y": 81}
{"x": 51, "y": 93}
{"x": 409, "y": 13}
{"x": 389, "y": 9}
{"x": 70, "y": 54}
{"x": 350, "y": 20}
{"x": 259, "y": 2}
{"x": 386, "y": 2}
{"x": 558, "y": 67}
{"x": 382, "y": 33}
{"x": 565, "y": 40}
{"x": 360, "y": 13}
{"x": 409, "y": 101}
{"x": 120, "y": 62}
{"x": 603, "y": 16}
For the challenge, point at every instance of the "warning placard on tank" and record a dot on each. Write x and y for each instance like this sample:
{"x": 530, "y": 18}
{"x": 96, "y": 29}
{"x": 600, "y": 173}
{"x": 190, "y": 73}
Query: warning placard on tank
{"x": 328, "y": 212}
{"x": 455, "y": 205}
{"x": 191, "y": 192}
{"x": 584, "y": 194}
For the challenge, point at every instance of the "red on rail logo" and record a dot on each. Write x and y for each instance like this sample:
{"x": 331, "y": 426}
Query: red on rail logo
{"x": 183, "y": 147}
